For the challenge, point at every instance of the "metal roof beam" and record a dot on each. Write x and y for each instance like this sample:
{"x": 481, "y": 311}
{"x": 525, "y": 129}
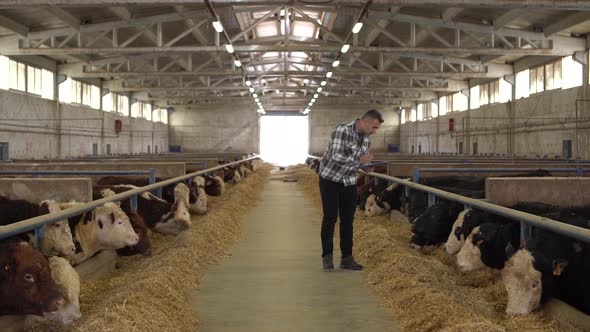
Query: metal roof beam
{"x": 566, "y": 23}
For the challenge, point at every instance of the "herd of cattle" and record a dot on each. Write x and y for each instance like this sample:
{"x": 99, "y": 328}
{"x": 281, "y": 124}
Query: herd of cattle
{"x": 549, "y": 265}
{"x": 37, "y": 278}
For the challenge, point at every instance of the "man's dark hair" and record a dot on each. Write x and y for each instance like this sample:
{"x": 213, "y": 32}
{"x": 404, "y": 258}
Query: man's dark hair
{"x": 373, "y": 114}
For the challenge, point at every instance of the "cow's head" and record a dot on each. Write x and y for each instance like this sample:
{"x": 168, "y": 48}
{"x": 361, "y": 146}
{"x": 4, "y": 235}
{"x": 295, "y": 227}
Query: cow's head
{"x": 456, "y": 239}
{"x": 143, "y": 246}
{"x": 57, "y": 240}
{"x": 179, "y": 218}
{"x": 377, "y": 208}
{"x": 26, "y": 286}
{"x": 524, "y": 283}
{"x": 114, "y": 229}
{"x": 200, "y": 204}
{"x": 469, "y": 257}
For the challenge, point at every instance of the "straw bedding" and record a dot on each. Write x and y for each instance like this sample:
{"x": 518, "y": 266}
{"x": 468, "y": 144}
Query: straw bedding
{"x": 424, "y": 290}
{"x": 150, "y": 293}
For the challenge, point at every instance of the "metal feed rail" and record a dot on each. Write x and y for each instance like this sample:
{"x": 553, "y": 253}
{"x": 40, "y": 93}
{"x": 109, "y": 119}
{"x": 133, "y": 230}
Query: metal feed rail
{"x": 526, "y": 219}
{"x": 417, "y": 170}
{"x": 30, "y": 224}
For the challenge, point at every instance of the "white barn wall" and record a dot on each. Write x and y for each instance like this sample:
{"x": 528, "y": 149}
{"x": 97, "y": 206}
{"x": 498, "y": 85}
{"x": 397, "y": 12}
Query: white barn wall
{"x": 37, "y": 128}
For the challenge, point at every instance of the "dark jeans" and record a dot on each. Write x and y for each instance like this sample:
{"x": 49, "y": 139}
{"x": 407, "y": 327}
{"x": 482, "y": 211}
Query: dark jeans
{"x": 337, "y": 200}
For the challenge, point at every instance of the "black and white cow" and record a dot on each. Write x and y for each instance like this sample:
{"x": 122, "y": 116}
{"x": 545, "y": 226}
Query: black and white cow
{"x": 550, "y": 265}
{"x": 433, "y": 226}
{"x": 384, "y": 201}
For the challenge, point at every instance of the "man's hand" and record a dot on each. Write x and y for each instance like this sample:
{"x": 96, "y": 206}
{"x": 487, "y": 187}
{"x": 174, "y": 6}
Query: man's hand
{"x": 366, "y": 158}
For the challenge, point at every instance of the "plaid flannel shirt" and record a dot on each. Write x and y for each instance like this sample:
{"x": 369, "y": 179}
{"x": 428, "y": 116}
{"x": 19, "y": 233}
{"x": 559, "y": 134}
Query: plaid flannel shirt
{"x": 340, "y": 162}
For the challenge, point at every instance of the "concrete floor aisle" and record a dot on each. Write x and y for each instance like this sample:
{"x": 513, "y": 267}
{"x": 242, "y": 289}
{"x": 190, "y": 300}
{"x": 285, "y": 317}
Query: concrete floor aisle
{"x": 273, "y": 280}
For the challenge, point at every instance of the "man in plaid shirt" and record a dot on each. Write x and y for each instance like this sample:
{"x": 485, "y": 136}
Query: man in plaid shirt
{"x": 347, "y": 151}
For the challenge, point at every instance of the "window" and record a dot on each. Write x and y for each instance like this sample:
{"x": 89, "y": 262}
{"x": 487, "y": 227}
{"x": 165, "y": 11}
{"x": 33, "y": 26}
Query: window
{"x": 420, "y": 112}
{"x": 474, "y": 97}
{"x": 505, "y": 91}
{"x": 536, "y": 80}
{"x": 494, "y": 91}
{"x": 572, "y": 73}
{"x": 442, "y": 106}
{"x": 459, "y": 102}
{"x": 413, "y": 115}
{"x": 136, "y": 109}
{"x": 433, "y": 109}
{"x": 64, "y": 91}
{"x": 164, "y": 115}
{"x": 107, "y": 102}
{"x": 403, "y": 116}
{"x": 47, "y": 84}
{"x": 147, "y": 111}
{"x": 522, "y": 84}
{"x": 484, "y": 94}
{"x": 34, "y": 80}
{"x": 553, "y": 75}
{"x": 123, "y": 105}
{"x": 16, "y": 75}
{"x": 156, "y": 115}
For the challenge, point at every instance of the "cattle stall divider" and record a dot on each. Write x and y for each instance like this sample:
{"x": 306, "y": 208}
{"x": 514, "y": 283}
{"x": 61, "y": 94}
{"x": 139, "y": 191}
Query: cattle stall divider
{"x": 36, "y": 222}
{"x": 40, "y": 231}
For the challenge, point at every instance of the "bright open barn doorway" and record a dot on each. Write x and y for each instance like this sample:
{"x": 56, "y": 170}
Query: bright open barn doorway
{"x": 284, "y": 140}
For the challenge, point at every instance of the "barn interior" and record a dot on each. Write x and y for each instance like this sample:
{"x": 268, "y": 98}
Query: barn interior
{"x": 245, "y": 96}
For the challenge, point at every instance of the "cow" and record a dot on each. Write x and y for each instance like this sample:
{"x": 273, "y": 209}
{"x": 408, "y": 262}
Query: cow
{"x": 57, "y": 238}
{"x": 158, "y": 214}
{"x": 487, "y": 243}
{"x": 550, "y": 265}
{"x": 214, "y": 185}
{"x": 232, "y": 175}
{"x": 26, "y": 286}
{"x": 432, "y": 227}
{"x": 385, "y": 201}
{"x": 471, "y": 218}
{"x": 167, "y": 191}
{"x": 68, "y": 281}
{"x": 106, "y": 227}
{"x": 364, "y": 190}
{"x": 200, "y": 205}
{"x": 143, "y": 245}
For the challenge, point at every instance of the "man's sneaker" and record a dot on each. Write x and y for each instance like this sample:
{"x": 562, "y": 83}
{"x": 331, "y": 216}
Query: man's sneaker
{"x": 328, "y": 262}
{"x": 350, "y": 264}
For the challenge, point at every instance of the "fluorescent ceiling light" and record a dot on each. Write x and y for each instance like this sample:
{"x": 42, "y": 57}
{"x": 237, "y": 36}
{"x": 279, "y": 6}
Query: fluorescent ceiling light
{"x": 319, "y": 89}
{"x": 336, "y": 63}
{"x": 277, "y": 91}
{"x": 313, "y": 100}
{"x": 345, "y": 48}
{"x": 323, "y": 83}
{"x": 255, "y": 95}
{"x": 229, "y": 48}
{"x": 238, "y": 63}
{"x": 248, "y": 83}
{"x": 316, "y": 95}
{"x": 357, "y": 27}
{"x": 257, "y": 100}
{"x": 251, "y": 89}
{"x": 218, "y": 26}
{"x": 329, "y": 74}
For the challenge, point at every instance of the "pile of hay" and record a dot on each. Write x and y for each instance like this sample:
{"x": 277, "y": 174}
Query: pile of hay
{"x": 424, "y": 290}
{"x": 151, "y": 293}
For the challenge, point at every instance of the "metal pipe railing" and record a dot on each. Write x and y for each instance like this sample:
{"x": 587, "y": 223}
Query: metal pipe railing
{"x": 417, "y": 171}
{"x": 32, "y": 223}
{"x": 578, "y": 233}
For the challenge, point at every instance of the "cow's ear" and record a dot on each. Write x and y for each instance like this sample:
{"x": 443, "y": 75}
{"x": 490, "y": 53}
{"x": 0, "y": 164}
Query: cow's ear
{"x": 509, "y": 250}
{"x": 558, "y": 266}
{"x": 479, "y": 242}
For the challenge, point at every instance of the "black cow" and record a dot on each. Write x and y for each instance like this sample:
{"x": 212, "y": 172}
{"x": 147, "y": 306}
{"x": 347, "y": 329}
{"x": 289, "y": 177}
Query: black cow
{"x": 433, "y": 226}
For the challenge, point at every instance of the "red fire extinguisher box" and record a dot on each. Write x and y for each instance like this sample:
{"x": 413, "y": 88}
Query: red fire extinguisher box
{"x": 451, "y": 124}
{"x": 118, "y": 126}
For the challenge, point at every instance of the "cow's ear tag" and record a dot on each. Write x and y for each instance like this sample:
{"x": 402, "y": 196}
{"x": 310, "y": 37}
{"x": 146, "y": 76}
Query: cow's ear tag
{"x": 559, "y": 266}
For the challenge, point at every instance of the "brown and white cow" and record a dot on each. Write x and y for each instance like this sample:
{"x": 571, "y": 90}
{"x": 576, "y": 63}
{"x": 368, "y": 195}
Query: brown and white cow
{"x": 200, "y": 205}
{"x": 57, "y": 239}
{"x": 158, "y": 214}
{"x": 26, "y": 286}
{"x": 143, "y": 246}
{"x": 105, "y": 228}
{"x": 68, "y": 281}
